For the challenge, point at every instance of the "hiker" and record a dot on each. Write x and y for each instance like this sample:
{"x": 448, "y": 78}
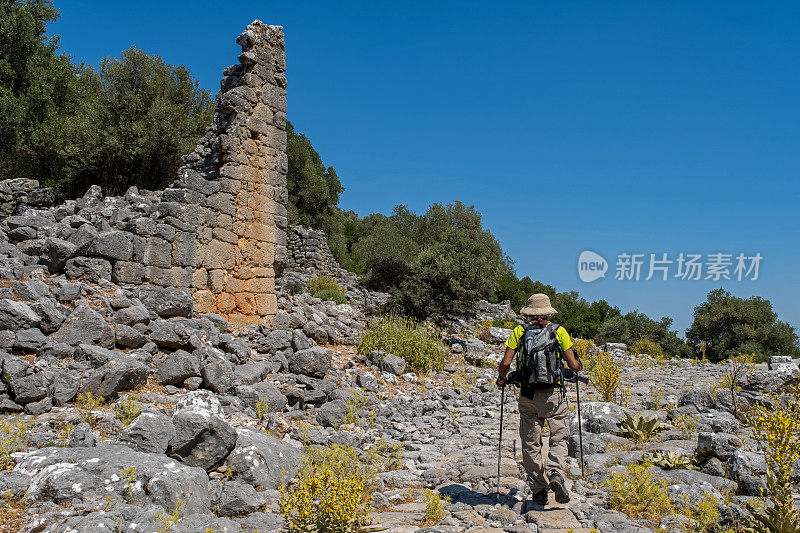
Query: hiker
{"x": 541, "y": 347}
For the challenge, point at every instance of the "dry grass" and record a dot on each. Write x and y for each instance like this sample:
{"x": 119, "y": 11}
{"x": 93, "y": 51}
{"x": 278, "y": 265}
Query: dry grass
{"x": 12, "y": 514}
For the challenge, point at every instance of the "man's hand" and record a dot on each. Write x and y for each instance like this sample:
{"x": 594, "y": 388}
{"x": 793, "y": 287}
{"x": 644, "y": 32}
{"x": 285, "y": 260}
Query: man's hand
{"x": 504, "y": 366}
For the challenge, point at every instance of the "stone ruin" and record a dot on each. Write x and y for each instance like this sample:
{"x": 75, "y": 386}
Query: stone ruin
{"x": 218, "y": 230}
{"x": 237, "y": 179}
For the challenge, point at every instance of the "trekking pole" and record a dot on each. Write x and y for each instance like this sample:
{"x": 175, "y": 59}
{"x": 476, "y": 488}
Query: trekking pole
{"x": 500, "y": 440}
{"x": 580, "y": 424}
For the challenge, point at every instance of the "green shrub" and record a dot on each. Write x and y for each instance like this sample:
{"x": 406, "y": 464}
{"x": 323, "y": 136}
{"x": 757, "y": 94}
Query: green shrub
{"x": 434, "y": 508}
{"x": 384, "y": 456}
{"x": 605, "y": 376}
{"x": 636, "y": 494}
{"x": 640, "y": 429}
{"x": 686, "y": 425}
{"x": 322, "y": 283}
{"x": 294, "y": 287}
{"x": 646, "y": 346}
{"x": 12, "y": 439}
{"x": 778, "y": 514}
{"x": 668, "y": 460}
{"x": 332, "y": 492}
{"x": 128, "y": 409}
{"x": 420, "y": 346}
{"x": 331, "y": 295}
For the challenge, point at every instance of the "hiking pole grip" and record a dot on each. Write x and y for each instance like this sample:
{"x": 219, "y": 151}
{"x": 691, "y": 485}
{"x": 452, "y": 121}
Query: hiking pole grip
{"x": 500, "y": 440}
{"x": 580, "y": 425}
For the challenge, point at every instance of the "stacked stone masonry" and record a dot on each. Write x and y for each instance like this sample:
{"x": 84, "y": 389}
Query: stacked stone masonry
{"x": 219, "y": 230}
{"x": 308, "y": 251}
{"x": 237, "y": 178}
{"x": 308, "y": 254}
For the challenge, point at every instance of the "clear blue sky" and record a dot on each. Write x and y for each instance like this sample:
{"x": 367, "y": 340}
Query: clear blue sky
{"x": 650, "y": 127}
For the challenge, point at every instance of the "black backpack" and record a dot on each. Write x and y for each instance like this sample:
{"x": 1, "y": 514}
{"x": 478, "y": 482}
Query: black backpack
{"x": 540, "y": 356}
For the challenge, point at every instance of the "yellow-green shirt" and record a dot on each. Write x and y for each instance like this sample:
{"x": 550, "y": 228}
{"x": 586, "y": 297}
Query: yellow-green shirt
{"x": 561, "y": 334}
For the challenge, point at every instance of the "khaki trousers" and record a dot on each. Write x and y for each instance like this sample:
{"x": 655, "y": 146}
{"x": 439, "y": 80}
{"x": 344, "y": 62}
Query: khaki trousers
{"x": 550, "y": 405}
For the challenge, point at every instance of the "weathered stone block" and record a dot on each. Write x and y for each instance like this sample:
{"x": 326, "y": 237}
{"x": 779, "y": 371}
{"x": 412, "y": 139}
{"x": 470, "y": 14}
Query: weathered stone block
{"x": 219, "y": 254}
{"x": 128, "y": 272}
{"x": 184, "y": 250}
{"x": 158, "y": 252}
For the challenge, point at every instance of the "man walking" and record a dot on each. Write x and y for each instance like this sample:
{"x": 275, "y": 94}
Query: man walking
{"x": 542, "y": 347}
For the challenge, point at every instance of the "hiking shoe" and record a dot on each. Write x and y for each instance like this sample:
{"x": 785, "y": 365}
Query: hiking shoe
{"x": 558, "y": 487}
{"x": 540, "y": 498}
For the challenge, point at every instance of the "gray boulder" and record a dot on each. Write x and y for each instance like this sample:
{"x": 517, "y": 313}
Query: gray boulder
{"x": 701, "y": 399}
{"x": 368, "y": 381}
{"x": 332, "y": 414}
{"x": 63, "y": 388}
{"x": 262, "y": 392}
{"x": 32, "y": 289}
{"x": 300, "y": 341}
{"x": 177, "y": 367}
{"x": 55, "y": 253}
{"x": 51, "y": 313}
{"x": 314, "y": 362}
{"x": 782, "y": 363}
{"x": 85, "y": 325}
{"x": 119, "y": 374}
{"x": 748, "y": 469}
{"x": 392, "y": 364}
{"x": 163, "y": 334}
{"x": 598, "y": 417}
{"x": 89, "y": 474}
{"x": 128, "y": 337}
{"x": 237, "y": 499}
{"x": 167, "y": 301}
{"x": 82, "y": 436}
{"x": 88, "y": 269}
{"x": 130, "y": 316}
{"x": 31, "y": 388}
{"x": 15, "y": 315}
{"x": 96, "y": 355}
{"x": 36, "y": 408}
{"x": 252, "y": 372}
{"x": 719, "y": 445}
{"x": 114, "y": 245}
{"x": 201, "y": 440}
{"x": 770, "y": 381}
{"x": 262, "y": 460}
{"x": 218, "y": 376}
{"x": 14, "y": 483}
{"x": 717, "y": 422}
{"x": 29, "y": 340}
{"x": 475, "y": 351}
{"x": 149, "y": 432}
{"x": 237, "y": 349}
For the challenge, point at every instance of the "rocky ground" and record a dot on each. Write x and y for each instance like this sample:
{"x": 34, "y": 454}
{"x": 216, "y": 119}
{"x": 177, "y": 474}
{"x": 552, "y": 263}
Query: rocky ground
{"x": 201, "y": 421}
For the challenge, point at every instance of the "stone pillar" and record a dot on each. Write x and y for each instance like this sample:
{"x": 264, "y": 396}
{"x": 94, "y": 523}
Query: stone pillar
{"x": 238, "y": 172}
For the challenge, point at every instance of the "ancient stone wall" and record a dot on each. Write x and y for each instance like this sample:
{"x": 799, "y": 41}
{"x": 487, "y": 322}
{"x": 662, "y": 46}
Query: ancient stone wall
{"x": 308, "y": 254}
{"x": 308, "y": 251}
{"x": 219, "y": 230}
{"x": 237, "y": 174}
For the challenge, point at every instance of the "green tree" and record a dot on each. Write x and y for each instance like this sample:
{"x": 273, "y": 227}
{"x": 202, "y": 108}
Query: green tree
{"x": 39, "y": 89}
{"x": 459, "y": 262}
{"x": 145, "y": 115}
{"x": 387, "y": 251}
{"x": 313, "y": 189}
{"x": 730, "y": 325}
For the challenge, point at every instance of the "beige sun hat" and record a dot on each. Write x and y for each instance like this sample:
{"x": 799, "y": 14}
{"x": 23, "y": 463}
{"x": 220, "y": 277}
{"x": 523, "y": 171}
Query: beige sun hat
{"x": 538, "y": 305}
